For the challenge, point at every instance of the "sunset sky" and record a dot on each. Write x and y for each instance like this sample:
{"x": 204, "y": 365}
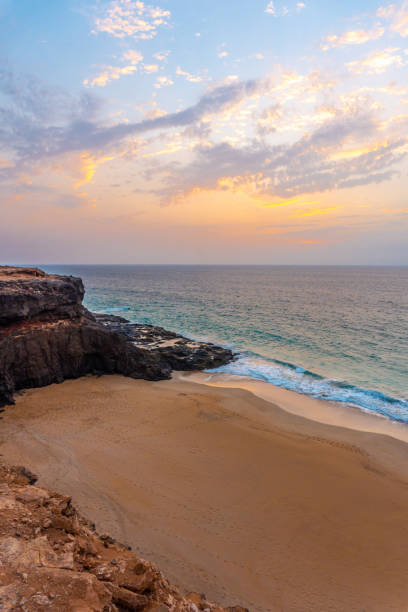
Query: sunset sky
{"x": 211, "y": 131}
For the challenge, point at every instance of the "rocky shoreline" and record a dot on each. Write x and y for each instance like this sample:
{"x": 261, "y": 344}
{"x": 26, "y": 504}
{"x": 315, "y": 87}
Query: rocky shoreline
{"x": 179, "y": 352}
{"x": 47, "y": 336}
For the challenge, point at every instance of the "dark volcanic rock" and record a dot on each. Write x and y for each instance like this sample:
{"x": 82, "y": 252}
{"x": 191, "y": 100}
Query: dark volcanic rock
{"x": 47, "y": 336}
{"x": 28, "y": 294}
{"x": 179, "y": 352}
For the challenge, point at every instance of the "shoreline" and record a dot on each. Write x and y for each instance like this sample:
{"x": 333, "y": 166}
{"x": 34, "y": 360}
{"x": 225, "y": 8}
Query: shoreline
{"x": 361, "y": 397}
{"x": 325, "y": 411}
{"x": 230, "y": 494}
{"x": 302, "y": 413}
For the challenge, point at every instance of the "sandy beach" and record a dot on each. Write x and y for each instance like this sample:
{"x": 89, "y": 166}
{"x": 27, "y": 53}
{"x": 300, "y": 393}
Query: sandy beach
{"x": 230, "y": 493}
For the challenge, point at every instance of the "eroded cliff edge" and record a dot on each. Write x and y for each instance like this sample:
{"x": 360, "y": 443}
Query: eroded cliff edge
{"x": 52, "y": 559}
{"x": 47, "y": 336}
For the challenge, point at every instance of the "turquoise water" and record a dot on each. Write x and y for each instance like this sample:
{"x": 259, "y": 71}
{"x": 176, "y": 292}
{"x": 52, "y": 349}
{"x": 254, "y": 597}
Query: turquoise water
{"x": 339, "y": 333}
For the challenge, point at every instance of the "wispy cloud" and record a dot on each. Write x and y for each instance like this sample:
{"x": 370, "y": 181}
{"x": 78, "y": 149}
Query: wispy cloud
{"x": 163, "y": 81}
{"x": 277, "y": 9}
{"x": 397, "y": 14}
{"x": 26, "y": 125}
{"x": 188, "y": 76}
{"x": 161, "y": 56}
{"x": 346, "y": 146}
{"x": 34, "y": 101}
{"x": 150, "y": 68}
{"x": 133, "y": 18}
{"x": 111, "y": 73}
{"x": 269, "y": 118}
{"x": 306, "y": 166}
{"x": 377, "y": 62}
{"x": 352, "y": 37}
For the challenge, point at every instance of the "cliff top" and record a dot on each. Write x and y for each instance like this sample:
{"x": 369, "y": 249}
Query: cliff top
{"x": 19, "y": 272}
{"x": 29, "y": 293}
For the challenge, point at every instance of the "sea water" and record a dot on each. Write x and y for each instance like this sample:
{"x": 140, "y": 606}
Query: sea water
{"x": 338, "y": 333}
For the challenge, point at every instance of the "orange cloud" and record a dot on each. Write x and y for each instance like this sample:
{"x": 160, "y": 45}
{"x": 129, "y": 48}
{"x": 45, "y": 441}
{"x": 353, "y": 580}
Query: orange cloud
{"x": 89, "y": 163}
{"x": 291, "y": 201}
{"x": 112, "y": 73}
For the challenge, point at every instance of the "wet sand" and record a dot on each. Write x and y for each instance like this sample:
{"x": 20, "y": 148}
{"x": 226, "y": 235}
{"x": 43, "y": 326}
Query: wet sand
{"x": 230, "y": 494}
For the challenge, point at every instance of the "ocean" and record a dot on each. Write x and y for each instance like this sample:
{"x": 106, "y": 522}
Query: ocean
{"x": 332, "y": 332}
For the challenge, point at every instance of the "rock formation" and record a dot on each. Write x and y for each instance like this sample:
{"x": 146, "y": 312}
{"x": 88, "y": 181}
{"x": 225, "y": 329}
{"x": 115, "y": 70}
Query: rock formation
{"x": 178, "y": 352}
{"x": 52, "y": 559}
{"x": 47, "y": 336}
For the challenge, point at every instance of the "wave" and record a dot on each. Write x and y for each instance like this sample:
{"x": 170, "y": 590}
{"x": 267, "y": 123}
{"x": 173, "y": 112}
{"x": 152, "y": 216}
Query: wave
{"x": 295, "y": 378}
{"x": 115, "y": 309}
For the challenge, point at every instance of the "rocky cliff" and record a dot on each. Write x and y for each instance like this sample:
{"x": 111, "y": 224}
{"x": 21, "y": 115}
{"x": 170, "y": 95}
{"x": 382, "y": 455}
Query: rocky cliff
{"x": 47, "y": 336}
{"x": 52, "y": 559}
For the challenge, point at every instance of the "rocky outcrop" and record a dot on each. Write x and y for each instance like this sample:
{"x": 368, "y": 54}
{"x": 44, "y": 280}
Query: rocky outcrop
{"x": 47, "y": 336}
{"x": 179, "y": 352}
{"x": 53, "y": 559}
{"x": 29, "y": 294}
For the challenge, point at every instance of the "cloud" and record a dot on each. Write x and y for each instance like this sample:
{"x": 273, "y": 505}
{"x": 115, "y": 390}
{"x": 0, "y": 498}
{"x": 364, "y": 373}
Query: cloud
{"x": 133, "y": 61}
{"x": 33, "y": 101}
{"x": 268, "y": 119}
{"x": 161, "y": 56}
{"x": 29, "y": 133}
{"x": 112, "y": 73}
{"x": 289, "y": 86}
{"x": 271, "y": 9}
{"x": 276, "y": 9}
{"x": 386, "y": 12}
{"x": 286, "y": 170}
{"x": 188, "y": 76}
{"x": 345, "y": 145}
{"x": 149, "y": 68}
{"x": 88, "y": 165}
{"x": 352, "y": 37}
{"x": 397, "y": 14}
{"x": 132, "y": 18}
{"x": 377, "y": 62}
{"x": 163, "y": 81}
{"x": 155, "y": 112}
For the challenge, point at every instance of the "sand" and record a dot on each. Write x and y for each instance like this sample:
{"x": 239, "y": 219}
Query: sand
{"x": 230, "y": 494}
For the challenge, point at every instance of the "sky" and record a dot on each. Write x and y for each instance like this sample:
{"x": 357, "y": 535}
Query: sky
{"x": 204, "y": 132}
